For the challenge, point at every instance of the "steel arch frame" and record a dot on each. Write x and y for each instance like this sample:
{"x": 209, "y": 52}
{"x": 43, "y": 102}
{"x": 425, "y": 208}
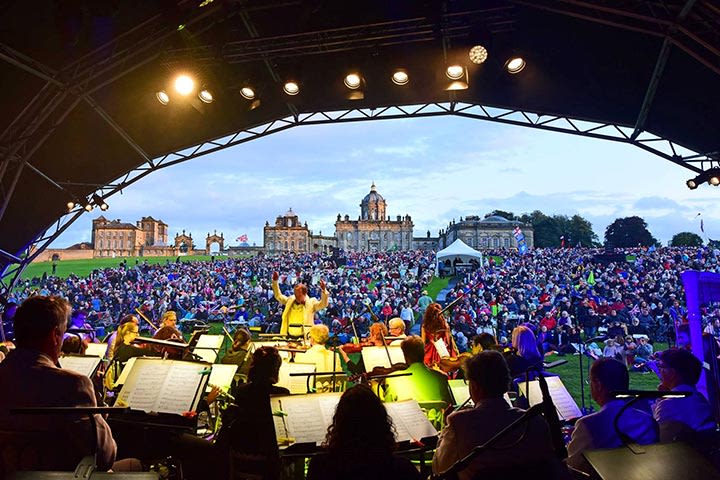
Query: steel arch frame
{"x": 664, "y": 148}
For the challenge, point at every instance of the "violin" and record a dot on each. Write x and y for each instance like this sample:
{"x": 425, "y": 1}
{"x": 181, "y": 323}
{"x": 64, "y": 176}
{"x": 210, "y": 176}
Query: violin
{"x": 449, "y": 365}
{"x": 377, "y": 372}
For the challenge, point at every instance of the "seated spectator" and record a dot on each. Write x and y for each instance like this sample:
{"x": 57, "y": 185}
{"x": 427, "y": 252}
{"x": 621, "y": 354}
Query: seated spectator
{"x": 360, "y": 442}
{"x": 424, "y": 385}
{"x": 488, "y": 377}
{"x": 680, "y": 417}
{"x": 643, "y": 353}
{"x": 612, "y": 349}
{"x": 597, "y": 430}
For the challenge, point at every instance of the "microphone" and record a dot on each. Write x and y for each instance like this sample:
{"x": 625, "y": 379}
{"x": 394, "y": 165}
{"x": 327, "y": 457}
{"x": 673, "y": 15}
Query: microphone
{"x": 649, "y": 394}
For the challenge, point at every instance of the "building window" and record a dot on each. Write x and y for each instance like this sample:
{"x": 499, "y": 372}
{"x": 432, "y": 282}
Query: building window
{"x": 507, "y": 243}
{"x": 496, "y": 242}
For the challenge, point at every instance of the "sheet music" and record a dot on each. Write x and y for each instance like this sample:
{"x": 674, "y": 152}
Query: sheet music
{"x": 96, "y": 349}
{"x": 208, "y": 347}
{"x": 378, "y": 357}
{"x": 86, "y": 365}
{"x": 308, "y": 416}
{"x": 410, "y": 422}
{"x": 222, "y": 376}
{"x": 164, "y": 386}
{"x": 565, "y": 405}
{"x": 126, "y": 371}
{"x": 274, "y": 343}
{"x": 441, "y": 348}
{"x": 460, "y": 391}
{"x": 295, "y": 384}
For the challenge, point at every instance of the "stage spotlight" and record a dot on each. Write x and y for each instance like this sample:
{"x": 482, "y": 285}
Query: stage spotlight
{"x": 455, "y": 72}
{"x": 291, "y": 88}
{"x": 163, "y": 97}
{"x": 515, "y": 65}
{"x": 70, "y": 205}
{"x": 255, "y": 104}
{"x": 205, "y": 96}
{"x": 714, "y": 176}
{"x": 478, "y": 54}
{"x": 184, "y": 85}
{"x": 247, "y": 92}
{"x": 352, "y": 81}
{"x": 692, "y": 184}
{"x": 89, "y": 207}
{"x": 100, "y": 202}
{"x": 400, "y": 77}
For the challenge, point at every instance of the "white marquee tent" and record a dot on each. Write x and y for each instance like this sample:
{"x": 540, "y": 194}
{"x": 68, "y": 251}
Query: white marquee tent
{"x": 457, "y": 249}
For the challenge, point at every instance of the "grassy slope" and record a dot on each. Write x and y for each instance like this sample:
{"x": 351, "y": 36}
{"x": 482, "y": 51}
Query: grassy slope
{"x": 84, "y": 267}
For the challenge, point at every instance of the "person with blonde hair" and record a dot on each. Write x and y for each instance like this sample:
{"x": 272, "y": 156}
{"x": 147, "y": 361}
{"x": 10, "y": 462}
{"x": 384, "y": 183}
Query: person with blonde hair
{"x": 168, "y": 329}
{"x": 396, "y": 327}
{"x": 525, "y": 352}
{"x": 325, "y": 360}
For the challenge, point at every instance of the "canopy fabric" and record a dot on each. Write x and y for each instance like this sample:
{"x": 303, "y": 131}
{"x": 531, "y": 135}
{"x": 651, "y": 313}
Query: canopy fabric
{"x": 457, "y": 249}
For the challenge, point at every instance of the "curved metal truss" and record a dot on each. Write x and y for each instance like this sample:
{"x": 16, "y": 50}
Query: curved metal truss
{"x": 664, "y": 148}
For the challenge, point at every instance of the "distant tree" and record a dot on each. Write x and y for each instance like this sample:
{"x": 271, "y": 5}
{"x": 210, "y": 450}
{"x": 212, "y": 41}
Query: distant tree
{"x": 549, "y": 229}
{"x": 581, "y": 232}
{"x": 502, "y": 213}
{"x": 686, "y": 239}
{"x": 628, "y": 232}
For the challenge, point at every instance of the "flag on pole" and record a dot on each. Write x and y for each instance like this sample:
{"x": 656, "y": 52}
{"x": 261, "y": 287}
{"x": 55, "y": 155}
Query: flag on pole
{"x": 242, "y": 238}
{"x": 702, "y": 226}
{"x": 591, "y": 278}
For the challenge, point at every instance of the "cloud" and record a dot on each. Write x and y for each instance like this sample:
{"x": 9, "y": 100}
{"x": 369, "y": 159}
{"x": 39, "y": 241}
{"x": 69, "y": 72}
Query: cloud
{"x": 434, "y": 169}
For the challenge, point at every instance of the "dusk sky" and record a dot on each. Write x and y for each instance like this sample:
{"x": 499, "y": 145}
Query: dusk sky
{"x": 434, "y": 169}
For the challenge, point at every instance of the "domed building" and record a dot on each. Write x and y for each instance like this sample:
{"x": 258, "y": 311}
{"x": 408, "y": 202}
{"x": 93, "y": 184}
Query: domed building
{"x": 491, "y": 232}
{"x": 373, "y": 231}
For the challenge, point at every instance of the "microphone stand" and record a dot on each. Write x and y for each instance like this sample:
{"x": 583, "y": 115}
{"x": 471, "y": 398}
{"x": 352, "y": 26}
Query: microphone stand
{"x": 452, "y": 472}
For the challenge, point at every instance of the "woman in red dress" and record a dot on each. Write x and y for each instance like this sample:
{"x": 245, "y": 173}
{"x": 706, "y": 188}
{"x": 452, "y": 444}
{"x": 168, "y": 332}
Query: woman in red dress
{"x": 437, "y": 336}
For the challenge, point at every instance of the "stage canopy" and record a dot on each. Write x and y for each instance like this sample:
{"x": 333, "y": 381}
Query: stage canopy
{"x": 457, "y": 249}
{"x": 81, "y": 117}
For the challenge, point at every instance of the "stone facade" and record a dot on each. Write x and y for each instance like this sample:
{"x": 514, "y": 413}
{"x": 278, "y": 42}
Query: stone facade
{"x": 373, "y": 231}
{"x": 287, "y": 235}
{"x": 113, "y": 238}
{"x": 492, "y": 232}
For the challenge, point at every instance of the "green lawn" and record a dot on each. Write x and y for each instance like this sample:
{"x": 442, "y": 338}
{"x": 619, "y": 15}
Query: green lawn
{"x": 84, "y": 267}
{"x": 570, "y": 375}
{"x": 435, "y": 285}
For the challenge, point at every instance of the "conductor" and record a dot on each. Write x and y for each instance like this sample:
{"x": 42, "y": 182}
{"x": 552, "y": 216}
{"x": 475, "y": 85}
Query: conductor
{"x": 299, "y": 312}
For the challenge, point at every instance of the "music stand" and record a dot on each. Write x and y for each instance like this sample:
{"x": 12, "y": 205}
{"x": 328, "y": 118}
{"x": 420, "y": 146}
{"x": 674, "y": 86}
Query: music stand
{"x": 658, "y": 462}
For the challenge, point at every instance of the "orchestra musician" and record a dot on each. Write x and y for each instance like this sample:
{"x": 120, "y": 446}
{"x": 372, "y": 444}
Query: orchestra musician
{"x": 489, "y": 377}
{"x": 111, "y": 339}
{"x": 375, "y": 338}
{"x": 299, "y": 309}
{"x": 30, "y": 377}
{"x": 360, "y": 442}
{"x": 239, "y": 354}
{"x": 436, "y": 336}
{"x": 168, "y": 327}
{"x": 424, "y": 385}
{"x": 124, "y": 350}
{"x": 396, "y": 327}
{"x": 525, "y": 353}
{"x": 325, "y": 360}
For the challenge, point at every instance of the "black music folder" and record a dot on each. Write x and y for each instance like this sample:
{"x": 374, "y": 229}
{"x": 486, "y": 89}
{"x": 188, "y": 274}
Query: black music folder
{"x": 662, "y": 461}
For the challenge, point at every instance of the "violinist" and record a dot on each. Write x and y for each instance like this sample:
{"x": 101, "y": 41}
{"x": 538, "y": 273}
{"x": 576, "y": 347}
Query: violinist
{"x": 375, "y": 338}
{"x": 239, "y": 354}
{"x": 424, "y": 385}
{"x": 124, "y": 350}
{"x": 436, "y": 336}
{"x": 168, "y": 329}
{"x": 325, "y": 360}
{"x": 111, "y": 339}
{"x": 396, "y": 326}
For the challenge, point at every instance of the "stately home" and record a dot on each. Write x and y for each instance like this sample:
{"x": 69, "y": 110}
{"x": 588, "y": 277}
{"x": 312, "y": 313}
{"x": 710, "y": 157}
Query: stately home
{"x": 490, "y": 232}
{"x": 374, "y": 231}
{"x": 113, "y": 238}
{"x": 289, "y": 235}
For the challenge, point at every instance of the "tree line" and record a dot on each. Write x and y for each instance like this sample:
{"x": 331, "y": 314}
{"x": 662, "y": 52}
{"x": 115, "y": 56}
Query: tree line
{"x": 552, "y": 231}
